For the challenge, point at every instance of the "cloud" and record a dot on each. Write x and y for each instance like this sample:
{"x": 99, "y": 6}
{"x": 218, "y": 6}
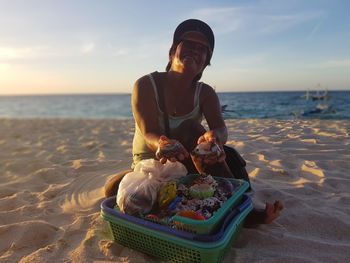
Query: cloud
{"x": 141, "y": 48}
{"x": 334, "y": 63}
{"x": 224, "y": 20}
{"x": 11, "y": 53}
{"x": 87, "y": 48}
{"x": 277, "y": 23}
{"x": 120, "y": 52}
{"x": 315, "y": 29}
{"x": 262, "y": 19}
{"x": 249, "y": 61}
{"x": 4, "y": 66}
{"x": 29, "y": 53}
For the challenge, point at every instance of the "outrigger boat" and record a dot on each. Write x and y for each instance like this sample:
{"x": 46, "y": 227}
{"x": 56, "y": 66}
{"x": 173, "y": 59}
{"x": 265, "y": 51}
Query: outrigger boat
{"x": 317, "y": 95}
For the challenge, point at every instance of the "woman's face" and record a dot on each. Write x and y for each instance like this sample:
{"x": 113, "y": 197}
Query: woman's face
{"x": 191, "y": 54}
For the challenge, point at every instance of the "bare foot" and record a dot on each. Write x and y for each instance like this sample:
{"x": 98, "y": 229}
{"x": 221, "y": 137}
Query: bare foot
{"x": 263, "y": 216}
{"x": 272, "y": 211}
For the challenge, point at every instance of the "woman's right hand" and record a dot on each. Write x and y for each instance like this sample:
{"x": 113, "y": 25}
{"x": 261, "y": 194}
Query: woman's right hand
{"x": 171, "y": 150}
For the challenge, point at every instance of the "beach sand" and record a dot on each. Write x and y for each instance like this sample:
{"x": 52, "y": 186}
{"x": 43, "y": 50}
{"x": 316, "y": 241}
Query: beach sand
{"x": 52, "y": 174}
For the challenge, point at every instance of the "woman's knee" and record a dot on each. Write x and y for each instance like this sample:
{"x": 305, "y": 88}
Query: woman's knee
{"x": 112, "y": 185}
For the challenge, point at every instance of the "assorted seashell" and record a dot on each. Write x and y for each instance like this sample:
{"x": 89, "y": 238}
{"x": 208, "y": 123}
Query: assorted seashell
{"x": 168, "y": 149}
{"x": 201, "y": 191}
{"x": 204, "y": 153}
{"x": 205, "y": 195}
{"x": 225, "y": 185}
{"x": 207, "y": 149}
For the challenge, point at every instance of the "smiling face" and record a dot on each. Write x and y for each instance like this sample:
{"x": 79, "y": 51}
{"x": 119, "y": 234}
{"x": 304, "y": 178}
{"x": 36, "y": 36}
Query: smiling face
{"x": 190, "y": 51}
{"x": 191, "y": 54}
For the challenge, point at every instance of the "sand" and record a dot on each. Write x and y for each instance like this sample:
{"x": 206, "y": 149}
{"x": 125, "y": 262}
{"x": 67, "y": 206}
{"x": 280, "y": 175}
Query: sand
{"x": 52, "y": 174}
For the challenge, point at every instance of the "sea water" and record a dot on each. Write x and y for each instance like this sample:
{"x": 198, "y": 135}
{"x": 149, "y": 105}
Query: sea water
{"x": 236, "y": 105}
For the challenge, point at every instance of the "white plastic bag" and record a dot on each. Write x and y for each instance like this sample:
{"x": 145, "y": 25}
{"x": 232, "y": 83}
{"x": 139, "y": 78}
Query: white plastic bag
{"x": 138, "y": 190}
{"x": 161, "y": 172}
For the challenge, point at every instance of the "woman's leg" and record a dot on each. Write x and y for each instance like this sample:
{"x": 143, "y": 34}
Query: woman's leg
{"x": 263, "y": 216}
{"x": 112, "y": 185}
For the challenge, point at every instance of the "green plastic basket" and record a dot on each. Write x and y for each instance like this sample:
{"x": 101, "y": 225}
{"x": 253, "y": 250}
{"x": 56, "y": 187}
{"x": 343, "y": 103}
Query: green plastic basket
{"x": 211, "y": 224}
{"x": 170, "y": 247}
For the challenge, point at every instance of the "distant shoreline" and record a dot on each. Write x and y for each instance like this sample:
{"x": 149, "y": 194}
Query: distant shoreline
{"x": 127, "y": 93}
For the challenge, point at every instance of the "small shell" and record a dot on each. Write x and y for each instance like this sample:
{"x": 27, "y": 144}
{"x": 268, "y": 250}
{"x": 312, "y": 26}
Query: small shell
{"x": 168, "y": 150}
{"x": 225, "y": 185}
{"x": 207, "y": 148}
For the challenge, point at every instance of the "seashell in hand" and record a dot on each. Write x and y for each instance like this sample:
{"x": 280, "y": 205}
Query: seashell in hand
{"x": 168, "y": 150}
{"x": 209, "y": 149}
{"x": 205, "y": 153}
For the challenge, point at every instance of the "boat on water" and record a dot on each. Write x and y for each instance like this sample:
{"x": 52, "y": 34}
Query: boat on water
{"x": 318, "y": 102}
{"x": 317, "y": 95}
{"x": 320, "y": 95}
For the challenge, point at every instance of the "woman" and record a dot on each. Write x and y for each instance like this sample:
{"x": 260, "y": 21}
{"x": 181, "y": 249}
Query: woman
{"x": 173, "y": 103}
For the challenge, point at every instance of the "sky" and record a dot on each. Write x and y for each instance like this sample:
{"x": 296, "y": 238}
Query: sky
{"x": 55, "y": 47}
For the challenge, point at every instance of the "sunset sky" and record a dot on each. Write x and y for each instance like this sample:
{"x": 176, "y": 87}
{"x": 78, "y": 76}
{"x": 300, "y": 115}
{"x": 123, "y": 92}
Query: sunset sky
{"x": 50, "y": 47}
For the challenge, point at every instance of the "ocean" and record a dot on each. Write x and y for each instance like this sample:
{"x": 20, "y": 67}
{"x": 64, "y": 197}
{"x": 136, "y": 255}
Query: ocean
{"x": 236, "y": 105}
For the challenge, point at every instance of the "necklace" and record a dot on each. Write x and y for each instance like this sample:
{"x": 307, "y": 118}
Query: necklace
{"x": 175, "y": 111}
{"x": 178, "y": 105}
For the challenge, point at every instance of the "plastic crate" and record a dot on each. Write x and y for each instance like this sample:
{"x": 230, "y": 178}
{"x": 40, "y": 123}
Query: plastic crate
{"x": 212, "y": 224}
{"x": 168, "y": 246}
{"x": 107, "y": 205}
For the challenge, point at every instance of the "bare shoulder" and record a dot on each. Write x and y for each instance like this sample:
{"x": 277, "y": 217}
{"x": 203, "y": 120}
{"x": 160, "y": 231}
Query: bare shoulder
{"x": 143, "y": 100}
{"x": 142, "y": 85}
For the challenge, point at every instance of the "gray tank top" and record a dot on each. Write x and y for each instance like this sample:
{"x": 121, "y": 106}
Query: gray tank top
{"x": 140, "y": 150}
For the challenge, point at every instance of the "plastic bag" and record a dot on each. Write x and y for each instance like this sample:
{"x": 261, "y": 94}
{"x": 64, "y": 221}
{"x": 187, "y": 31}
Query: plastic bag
{"x": 161, "y": 172}
{"x": 138, "y": 190}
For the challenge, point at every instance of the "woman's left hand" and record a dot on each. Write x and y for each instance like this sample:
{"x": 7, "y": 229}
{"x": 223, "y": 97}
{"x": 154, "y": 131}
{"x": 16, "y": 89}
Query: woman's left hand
{"x": 210, "y": 137}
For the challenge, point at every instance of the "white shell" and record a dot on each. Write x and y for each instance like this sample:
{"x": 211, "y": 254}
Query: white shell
{"x": 206, "y": 148}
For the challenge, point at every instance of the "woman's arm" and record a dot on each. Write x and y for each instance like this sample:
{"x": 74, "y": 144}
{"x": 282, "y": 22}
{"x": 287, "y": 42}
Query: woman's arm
{"x": 144, "y": 108}
{"x": 145, "y": 111}
{"x": 211, "y": 109}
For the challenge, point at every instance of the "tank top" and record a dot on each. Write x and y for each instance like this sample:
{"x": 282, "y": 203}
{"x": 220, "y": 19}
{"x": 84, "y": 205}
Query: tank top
{"x": 140, "y": 149}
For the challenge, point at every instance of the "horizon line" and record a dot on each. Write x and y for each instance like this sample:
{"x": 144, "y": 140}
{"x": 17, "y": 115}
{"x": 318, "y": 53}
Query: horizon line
{"x": 129, "y": 93}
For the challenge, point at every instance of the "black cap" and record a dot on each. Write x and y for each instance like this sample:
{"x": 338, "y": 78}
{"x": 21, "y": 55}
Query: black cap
{"x": 197, "y": 26}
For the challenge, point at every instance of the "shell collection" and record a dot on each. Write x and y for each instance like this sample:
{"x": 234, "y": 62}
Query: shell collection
{"x": 198, "y": 199}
